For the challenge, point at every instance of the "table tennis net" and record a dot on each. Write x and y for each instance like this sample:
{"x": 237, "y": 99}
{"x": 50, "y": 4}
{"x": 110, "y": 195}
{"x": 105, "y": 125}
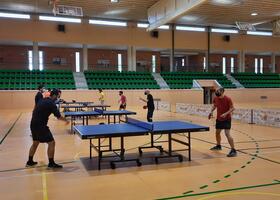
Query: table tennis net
{"x": 145, "y": 125}
{"x": 98, "y": 110}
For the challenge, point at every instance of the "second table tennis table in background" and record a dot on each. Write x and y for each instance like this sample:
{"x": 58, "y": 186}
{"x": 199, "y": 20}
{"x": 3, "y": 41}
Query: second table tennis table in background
{"x": 85, "y": 115}
{"x": 80, "y": 107}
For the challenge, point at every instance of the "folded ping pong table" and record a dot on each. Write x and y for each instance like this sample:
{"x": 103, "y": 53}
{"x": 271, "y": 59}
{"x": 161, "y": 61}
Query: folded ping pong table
{"x": 137, "y": 128}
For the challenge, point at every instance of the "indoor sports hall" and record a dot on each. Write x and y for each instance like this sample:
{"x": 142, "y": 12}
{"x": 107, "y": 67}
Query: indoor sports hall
{"x": 140, "y": 99}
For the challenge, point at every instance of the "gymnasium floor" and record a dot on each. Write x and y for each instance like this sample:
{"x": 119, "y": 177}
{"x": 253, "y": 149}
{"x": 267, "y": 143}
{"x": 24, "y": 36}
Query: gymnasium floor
{"x": 254, "y": 174}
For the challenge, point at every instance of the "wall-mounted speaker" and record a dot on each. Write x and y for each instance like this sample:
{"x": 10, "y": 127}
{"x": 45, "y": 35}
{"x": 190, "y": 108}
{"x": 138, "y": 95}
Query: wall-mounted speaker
{"x": 61, "y": 28}
{"x": 226, "y": 38}
{"x": 154, "y": 34}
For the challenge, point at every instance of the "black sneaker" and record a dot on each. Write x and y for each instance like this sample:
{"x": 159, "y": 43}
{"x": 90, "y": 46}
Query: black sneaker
{"x": 232, "y": 153}
{"x": 216, "y": 148}
{"x": 31, "y": 163}
{"x": 54, "y": 166}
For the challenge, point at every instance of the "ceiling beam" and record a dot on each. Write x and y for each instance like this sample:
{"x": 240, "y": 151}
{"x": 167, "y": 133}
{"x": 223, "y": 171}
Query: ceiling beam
{"x": 166, "y": 11}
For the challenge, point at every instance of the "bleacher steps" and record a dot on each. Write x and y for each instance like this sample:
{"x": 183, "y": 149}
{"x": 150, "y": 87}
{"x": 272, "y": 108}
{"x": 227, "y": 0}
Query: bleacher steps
{"x": 80, "y": 81}
{"x": 234, "y": 81}
{"x": 160, "y": 81}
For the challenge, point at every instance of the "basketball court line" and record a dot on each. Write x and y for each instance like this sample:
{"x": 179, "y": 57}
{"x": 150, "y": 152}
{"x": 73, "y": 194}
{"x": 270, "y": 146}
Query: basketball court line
{"x": 10, "y": 129}
{"x": 270, "y": 152}
{"x": 276, "y": 147}
{"x": 222, "y": 191}
{"x": 263, "y": 158}
{"x": 44, "y": 184}
{"x": 40, "y": 166}
{"x": 45, "y": 193}
{"x": 240, "y": 193}
{"x": 240, "y": 142}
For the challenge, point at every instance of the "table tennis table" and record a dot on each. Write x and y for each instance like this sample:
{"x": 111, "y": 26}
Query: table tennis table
{"x": 135, "y": 127}
{"x": 77, "y": 103}
{"x": 79, "y": 107}
{"x": 85, "y": 115}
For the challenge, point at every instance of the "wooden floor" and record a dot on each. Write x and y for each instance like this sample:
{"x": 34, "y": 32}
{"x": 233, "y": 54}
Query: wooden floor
{"x": 254, "y": 174}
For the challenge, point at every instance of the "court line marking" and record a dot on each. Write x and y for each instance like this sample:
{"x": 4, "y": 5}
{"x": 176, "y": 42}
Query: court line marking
{"x": 240, "y": 193}
{"x": 29, "y": 175}
{"x": 44, "y": 183}
{"x": 221, "y": 191}
{"x": 270, "y": 152}
{"x": 229, "y": 175}
{"x": 275, "y": 147}
{"x": 39, "y": 166}
{"x": 10, "y": 129}
{"x": 249, "y": 162}
{"x": 263, "y": 158}
{"x": 272, "y": 140}
{"x": 66, "y": 162}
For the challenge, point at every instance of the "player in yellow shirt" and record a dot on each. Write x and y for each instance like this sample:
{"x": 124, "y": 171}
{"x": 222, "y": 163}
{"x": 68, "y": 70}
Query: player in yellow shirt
{"x": 102, "y": 96}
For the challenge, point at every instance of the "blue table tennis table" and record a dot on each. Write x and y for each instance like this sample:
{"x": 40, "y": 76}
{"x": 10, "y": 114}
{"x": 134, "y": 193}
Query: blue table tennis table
{"x": 80, "y": 107}
{"x": 85, "y": 115}
{"x": 77, "y": 103}
{"x": 135, "y": 127}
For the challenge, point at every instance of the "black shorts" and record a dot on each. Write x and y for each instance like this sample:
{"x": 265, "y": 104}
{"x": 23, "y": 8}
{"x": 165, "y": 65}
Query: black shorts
{"x": 41, "y": 134}
{"x": 223, "y": 124}
{"x": 123, "y": 106}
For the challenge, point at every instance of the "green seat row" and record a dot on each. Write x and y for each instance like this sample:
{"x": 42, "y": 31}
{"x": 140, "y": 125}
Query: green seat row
{"x": 183, "y": 80}
{"x": 26, "y": 80}
{"x": 120, "y": 80}
{"x": 252, "y": 80}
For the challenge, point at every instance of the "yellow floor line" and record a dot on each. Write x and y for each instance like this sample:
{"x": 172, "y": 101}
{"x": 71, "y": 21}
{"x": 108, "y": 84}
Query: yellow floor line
{"x": 44, "y": 183}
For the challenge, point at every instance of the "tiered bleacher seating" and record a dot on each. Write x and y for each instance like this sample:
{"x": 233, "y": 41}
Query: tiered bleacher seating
{"x": 252, "y": 80}
{"x": 120, "y": 80}
{"x": 29, "y": 80}
{"x": 184, "y": 80}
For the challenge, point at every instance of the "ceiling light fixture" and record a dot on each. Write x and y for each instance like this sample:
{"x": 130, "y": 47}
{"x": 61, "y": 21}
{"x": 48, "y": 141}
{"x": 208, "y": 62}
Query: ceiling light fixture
{"x": 220, "y": 30}
{"x": 114, "y": 1}
{"x": 107, "y": 23}
{"x": 60, "y": 19}
{"x": 227, "y": 2}
{"x": 14, "y": 15}
{"x": 141, "y": 25}
{"x": 261, "y": 33}
{"x": 190, "y": 28}
{"x": 254, "y": 14}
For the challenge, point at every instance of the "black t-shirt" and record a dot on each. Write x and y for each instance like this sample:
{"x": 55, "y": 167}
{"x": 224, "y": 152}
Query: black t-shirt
{"x": 150, "y": 103}
{"x": 38, "y": 97}
{"x": 42, "y": 111}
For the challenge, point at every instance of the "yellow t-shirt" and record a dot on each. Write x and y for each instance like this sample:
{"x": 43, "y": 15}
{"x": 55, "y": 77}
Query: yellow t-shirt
{"x": 102, "y": 96}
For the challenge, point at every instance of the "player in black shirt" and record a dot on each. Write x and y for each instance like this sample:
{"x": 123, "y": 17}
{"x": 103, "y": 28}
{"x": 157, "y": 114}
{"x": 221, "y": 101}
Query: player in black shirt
{"x": 39, "y": 95}
{"x": 150, "y": 105}
{"x": 39, "y": 129}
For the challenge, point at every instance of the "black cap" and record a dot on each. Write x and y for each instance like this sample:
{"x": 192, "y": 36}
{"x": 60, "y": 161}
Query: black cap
{"x": 54, "y": 92}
